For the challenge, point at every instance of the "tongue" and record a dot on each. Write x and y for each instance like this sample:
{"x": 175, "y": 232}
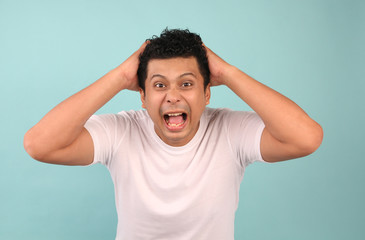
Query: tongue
{"x": 176, "y": 119}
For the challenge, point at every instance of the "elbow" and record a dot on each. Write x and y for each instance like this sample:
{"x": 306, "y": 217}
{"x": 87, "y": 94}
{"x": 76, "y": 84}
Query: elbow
{"x": 32, "y": 148}
{"x": 312, "y": 141}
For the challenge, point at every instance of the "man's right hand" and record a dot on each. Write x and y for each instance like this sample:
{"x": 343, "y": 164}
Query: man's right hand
{"x": 60, "y": 137}
{"x": 127, "y": 71}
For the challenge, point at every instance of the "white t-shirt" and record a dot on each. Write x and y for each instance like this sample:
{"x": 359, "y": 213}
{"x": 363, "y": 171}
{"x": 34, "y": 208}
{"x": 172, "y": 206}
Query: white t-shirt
{"x": 180, "y": 193}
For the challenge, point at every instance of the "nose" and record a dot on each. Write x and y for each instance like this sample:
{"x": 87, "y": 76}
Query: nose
{"x": 173, "y": 96}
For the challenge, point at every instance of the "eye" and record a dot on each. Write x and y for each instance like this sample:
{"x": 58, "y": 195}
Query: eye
{"x": 187, "y": 84}
{"x": 159, "y": 85}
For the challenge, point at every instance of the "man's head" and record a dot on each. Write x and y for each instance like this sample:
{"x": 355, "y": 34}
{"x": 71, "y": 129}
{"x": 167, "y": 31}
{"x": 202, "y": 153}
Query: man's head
{"x": 174, "y": 81}
{"x": 171, "y": 44}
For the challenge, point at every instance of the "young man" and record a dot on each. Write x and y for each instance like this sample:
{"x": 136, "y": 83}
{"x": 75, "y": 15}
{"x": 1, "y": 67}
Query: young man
{"x": 176, "y": 167}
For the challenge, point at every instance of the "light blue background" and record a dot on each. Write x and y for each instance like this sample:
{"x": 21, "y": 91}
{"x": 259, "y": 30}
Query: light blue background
{"x": 311, "y": 51}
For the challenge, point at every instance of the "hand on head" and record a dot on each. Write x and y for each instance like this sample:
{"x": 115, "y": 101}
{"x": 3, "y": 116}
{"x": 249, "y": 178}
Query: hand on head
{"x": 217, "y": 67}
{"x": 127, "y": 71}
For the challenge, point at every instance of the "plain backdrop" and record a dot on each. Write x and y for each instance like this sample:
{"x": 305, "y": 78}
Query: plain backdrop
{"x": 312, "y": 51}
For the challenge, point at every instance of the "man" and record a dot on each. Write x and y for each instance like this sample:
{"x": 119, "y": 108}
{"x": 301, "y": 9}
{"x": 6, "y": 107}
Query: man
{"x": 176, "y": 167}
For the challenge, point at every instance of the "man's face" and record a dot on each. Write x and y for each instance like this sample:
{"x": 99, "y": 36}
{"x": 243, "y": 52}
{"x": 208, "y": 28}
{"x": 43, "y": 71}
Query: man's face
{"x": 175, "y": 98}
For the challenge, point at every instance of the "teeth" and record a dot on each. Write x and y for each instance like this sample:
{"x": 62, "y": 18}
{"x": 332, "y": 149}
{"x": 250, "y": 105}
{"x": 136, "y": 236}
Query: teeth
{"x": 174, "y": 114}
{"x": 175, "y": 125}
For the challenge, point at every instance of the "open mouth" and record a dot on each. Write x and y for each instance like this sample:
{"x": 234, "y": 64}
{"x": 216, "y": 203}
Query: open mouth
{"x": 175, "y": 120}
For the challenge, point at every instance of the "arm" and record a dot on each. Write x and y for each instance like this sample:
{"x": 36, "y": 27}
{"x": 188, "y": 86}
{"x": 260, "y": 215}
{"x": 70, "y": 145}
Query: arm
{"x": 60, "y": 137}
{"x": 289, "y": 132}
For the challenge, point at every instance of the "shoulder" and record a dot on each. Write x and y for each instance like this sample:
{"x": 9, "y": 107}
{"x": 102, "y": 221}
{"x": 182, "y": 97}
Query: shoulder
{"x": 214, "y": 113}
{"x": 231, "y": 121}
{"x": 123, "y": 118}
{"x": 226, "y": 114}
{"x": 133, "y": 115}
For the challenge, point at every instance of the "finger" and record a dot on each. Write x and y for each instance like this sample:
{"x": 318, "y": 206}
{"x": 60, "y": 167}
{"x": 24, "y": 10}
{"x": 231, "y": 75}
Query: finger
{"x": 140, "y": 49}
{"x": 206, "y": 48}
{"x": 210, "y": 53}
{"x": 143, "y": 46}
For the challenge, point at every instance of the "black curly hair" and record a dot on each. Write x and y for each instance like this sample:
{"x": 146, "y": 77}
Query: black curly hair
{"x": 170, "y": 44}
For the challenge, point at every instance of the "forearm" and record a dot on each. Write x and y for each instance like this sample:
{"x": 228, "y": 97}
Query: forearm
{"x": 289, "y": 132}
{"x": 284, "y": 119}
{"x": 63, "y": 124}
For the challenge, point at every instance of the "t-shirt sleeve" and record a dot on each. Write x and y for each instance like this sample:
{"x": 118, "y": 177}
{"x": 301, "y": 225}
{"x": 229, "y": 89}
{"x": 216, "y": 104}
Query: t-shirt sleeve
{"x": 106, "y": 132}
{"x": 244, "y": 131}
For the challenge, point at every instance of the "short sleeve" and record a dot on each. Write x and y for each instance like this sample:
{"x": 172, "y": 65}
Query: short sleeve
{"x": 106, "y": 132}
{"x": 245, "y": 131}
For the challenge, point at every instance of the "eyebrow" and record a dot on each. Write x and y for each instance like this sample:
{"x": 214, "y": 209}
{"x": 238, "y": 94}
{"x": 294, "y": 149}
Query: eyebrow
{"x": 182, "y": 75}
{"x": 157, "y": 75}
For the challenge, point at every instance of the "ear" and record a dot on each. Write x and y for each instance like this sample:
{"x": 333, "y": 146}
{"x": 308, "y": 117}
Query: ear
{"x": 141, "y": 92}
{"x": 207, "y": 94}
